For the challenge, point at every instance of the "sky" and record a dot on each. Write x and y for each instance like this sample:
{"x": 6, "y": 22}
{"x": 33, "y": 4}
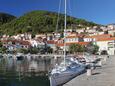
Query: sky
{"x": 98, "y": 11}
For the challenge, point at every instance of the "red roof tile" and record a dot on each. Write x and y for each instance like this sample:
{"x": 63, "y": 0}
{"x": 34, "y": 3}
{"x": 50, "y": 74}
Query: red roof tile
{"x": 100, "y": 36}
{"x": 51, "y": 42}
{"x": 81, "y": 43}
{"x": 106, "y": 39}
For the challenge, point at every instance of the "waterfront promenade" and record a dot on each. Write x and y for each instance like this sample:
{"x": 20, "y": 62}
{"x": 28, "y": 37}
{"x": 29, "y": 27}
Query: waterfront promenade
{"x": 102, "y": 76}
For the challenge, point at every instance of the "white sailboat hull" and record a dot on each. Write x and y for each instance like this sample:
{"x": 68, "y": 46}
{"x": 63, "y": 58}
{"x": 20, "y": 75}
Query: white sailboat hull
{"x": 62, "y": 78}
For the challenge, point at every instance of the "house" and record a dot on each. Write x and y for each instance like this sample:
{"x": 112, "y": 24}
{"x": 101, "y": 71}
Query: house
{"x": 91, "y": 30}
{"x": 111, "y": 26}
{"x": 107, "y": 44}
{"x": 25, "y": 36}
{"x": 40, "y": 35}
{"x": 89, "y": 39}
{"x": 15, "y": 44}
{"x": 101, "y": 36}
{"x": 93, "y": 38}
{"x": 52, "y": 44}
{"x": 112, "y": 32}
{"x": 38, "y": 42}
{"x": 80, "y": 30}
{"x": 74, "y": 37}
{"x": 24, "y": 44}
{"x": 61, "y": 45}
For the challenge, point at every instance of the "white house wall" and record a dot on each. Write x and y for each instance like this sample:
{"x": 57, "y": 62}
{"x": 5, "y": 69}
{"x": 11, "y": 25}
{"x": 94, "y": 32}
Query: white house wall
{"x": 103, "y": 45}
{"x": 71, "y": 40}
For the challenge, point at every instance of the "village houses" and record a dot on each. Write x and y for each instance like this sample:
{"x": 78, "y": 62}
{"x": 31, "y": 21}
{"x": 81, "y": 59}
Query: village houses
{"x": 104, "y": 38}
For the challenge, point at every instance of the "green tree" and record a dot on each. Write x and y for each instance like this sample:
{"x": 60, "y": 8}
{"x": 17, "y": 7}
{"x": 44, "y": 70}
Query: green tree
{"x": 49, "y": 50}
{"x": 41, "y": 22}
{"x": 22, "y": 50}
{"x": 92, "y": 48}
{"x": 33, "y": 50}
{"x": 73, "y": 48}
{"x": 0, "y": 44}
{"x": 3, "y": 49}
{"x": 96, "y": 48}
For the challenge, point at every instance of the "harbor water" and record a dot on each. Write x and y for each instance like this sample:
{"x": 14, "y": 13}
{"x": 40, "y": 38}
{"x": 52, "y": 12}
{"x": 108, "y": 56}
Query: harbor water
{"x": 29, "y": 71}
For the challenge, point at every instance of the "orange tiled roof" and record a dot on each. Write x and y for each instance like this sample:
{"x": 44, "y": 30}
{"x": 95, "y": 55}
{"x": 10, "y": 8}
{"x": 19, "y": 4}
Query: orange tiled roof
{"x": 9, "y": 40}
{"x": 106, "y": 39}
{"x": 17, "y": 41}
{"x": 72, "y": 37}
{"x": 24, "y": 43}
{"x": 51, "y": 42}
{"x": 75, "y": 36}
{"x": 60, "y": 44}
{"x": 81, "y": 43}
{"x": 100, "y": 36}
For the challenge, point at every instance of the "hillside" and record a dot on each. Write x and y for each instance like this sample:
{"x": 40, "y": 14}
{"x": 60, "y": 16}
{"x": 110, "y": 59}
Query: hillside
{"x": 5, "y": 18}
{"x": 41, "y": 22}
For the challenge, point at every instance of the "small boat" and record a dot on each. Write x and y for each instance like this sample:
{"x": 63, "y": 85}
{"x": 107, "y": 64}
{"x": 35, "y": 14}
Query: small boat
{"x": 9, "y": 55}
{"x": 19, "y": 56}
{"x": 91, "y": 60}
{"x": 1, "y": 56}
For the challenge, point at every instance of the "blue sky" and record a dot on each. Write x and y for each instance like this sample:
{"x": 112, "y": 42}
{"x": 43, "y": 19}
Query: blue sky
{"x": 99, "y": 11}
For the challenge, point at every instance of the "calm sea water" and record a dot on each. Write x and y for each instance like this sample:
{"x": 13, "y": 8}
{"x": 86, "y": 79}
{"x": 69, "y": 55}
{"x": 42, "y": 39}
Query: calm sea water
{"x": 26, "y": 72}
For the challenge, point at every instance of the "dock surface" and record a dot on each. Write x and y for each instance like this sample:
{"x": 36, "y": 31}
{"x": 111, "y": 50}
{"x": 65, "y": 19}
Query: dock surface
{"x": 101, "y": 76}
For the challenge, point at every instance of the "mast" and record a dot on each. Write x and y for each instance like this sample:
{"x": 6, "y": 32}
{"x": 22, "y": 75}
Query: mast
{"x": 65, "y": 26}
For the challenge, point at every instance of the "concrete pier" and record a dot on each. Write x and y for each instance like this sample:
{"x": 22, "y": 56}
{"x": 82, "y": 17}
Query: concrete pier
{"x": 102, "y": 76}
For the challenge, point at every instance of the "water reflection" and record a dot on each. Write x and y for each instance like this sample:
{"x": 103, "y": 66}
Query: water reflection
{"x": 29, "y": 71}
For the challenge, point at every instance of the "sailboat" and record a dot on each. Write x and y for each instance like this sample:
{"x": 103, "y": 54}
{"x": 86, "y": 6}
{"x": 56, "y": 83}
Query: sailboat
{"x": 68, "y": 69}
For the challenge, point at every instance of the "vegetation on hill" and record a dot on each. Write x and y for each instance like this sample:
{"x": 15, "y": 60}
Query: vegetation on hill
{"x": 42, "y": 22}
{"x": 5, "y": 18}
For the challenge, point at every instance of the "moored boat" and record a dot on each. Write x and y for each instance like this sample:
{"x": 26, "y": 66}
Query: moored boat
{"x": 19, "y": 56}
{"x": 62, "y": 74}
{"x": 68, "y": 69}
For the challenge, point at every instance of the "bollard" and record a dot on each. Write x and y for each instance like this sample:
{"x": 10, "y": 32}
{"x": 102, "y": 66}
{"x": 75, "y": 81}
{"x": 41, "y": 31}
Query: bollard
{"x": 55, "y": 57}
{"x": 100, "y": 63}
{"x": 89, "y": 72}
{"x": 104, "y": 60}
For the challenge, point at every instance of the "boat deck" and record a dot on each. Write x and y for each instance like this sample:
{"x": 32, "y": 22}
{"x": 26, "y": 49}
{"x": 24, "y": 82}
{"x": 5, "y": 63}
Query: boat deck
{"x": 101, "y": 76}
